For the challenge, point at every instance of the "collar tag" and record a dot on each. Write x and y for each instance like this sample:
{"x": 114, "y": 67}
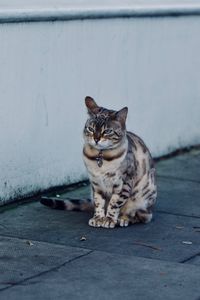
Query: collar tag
{"x": 99, "y": 159}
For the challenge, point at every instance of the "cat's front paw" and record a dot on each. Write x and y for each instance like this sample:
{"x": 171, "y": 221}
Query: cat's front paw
{"x": 108, "y": 222}
{"x": 96, "y": 221}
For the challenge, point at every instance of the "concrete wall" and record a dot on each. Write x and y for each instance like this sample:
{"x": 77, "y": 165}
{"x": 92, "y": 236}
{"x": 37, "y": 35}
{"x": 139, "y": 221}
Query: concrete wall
{"x": 147, "y": 62}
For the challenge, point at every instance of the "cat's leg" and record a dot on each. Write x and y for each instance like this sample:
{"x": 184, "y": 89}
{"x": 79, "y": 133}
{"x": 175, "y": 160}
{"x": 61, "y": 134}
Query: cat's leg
{"x": 124, "y": 217}
{"x": 146, "y": 198}
{"x": 139, "y": 206}
{"x": 118, "y": 200}
{"x": 134, "y": 211}
{"x": 99, "y": 210}
{"x": 113, "y": 211}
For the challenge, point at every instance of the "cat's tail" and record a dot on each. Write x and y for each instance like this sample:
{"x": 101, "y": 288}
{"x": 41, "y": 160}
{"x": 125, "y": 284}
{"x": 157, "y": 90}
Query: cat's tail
{"x": 67, "y": 203}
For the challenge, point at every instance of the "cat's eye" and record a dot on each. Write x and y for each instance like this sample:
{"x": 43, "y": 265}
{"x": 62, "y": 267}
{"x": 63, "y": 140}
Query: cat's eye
{"x": 90, "y": 129}
{"x": 107, "y": 131}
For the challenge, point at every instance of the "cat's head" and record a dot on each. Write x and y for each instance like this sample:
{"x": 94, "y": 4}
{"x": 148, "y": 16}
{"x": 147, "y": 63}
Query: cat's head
{"x": 105, "y": 129}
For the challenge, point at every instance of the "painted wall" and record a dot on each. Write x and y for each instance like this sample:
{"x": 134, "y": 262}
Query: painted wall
{"x": 151, "y": 65}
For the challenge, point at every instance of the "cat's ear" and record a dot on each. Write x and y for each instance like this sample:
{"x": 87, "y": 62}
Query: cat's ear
{"x": 91, "y": 105}
{"x": 121, "y": 115}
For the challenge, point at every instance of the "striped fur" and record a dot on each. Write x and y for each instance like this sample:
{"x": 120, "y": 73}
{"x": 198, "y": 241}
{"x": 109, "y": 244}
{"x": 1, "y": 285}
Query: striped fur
{"x": 120, "y": 170}
{"x": 123, "y": 183}
{"x": 67, "y": 203}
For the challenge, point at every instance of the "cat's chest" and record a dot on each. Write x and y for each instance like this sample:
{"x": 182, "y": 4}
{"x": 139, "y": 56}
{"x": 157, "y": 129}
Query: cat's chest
{"x": 106, "y": 176}
{"x": 105, "y": 169}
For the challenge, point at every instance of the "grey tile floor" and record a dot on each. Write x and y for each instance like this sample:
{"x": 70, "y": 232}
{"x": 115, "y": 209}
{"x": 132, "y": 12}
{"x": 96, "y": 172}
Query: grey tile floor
{"x": 43, "y": 255}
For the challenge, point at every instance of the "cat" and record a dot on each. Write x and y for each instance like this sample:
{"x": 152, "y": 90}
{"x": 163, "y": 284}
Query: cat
{"x": 120, "y": 169}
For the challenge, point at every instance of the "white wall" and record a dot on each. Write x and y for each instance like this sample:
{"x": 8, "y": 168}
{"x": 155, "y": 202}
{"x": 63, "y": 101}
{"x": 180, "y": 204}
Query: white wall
{"x": 152, "y": 65}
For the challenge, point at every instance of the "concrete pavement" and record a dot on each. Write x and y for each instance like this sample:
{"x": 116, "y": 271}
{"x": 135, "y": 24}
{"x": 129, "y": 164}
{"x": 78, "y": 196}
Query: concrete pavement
{"x": 50, "y": 254}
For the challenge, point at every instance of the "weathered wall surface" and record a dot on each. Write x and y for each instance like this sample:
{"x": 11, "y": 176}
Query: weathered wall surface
{"x": 150, "y": 64}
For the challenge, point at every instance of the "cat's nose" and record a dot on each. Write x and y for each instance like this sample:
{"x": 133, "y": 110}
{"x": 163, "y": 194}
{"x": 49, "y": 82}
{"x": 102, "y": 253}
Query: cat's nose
{"x": 96, "y": 137}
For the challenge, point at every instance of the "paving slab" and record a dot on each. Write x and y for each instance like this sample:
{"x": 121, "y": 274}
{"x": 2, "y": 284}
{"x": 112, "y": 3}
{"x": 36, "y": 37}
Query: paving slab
{"x": 161, "y": 239}
{"x": 53, "y": 254}
{"x": 185, "y": 166}
{"x": 22, "y": 259}
{"x": 178, "y": 197}
{"x": 101, "y": 276}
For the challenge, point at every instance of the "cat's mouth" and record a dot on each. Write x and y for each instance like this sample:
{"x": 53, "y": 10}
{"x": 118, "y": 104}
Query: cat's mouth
{"x": 102, "y": 145}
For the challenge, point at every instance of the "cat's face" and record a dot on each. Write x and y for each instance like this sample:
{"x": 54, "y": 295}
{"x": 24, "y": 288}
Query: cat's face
{"x": 105, "y": 129}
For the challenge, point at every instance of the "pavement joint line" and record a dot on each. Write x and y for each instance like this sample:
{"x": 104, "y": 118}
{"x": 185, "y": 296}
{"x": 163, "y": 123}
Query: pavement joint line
{"x": 173, "y": 214}
{"x": 178, "y": 178}
{"x": 45, "y": 272}
{"x": 189, "y": 258}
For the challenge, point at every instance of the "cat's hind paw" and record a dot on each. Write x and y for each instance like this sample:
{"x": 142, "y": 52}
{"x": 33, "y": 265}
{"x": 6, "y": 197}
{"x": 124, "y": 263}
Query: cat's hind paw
{"x": 123, "y": 221}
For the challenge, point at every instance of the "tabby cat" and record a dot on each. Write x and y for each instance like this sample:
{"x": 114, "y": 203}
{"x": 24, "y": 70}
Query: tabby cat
{"x": 120, "y": 170}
